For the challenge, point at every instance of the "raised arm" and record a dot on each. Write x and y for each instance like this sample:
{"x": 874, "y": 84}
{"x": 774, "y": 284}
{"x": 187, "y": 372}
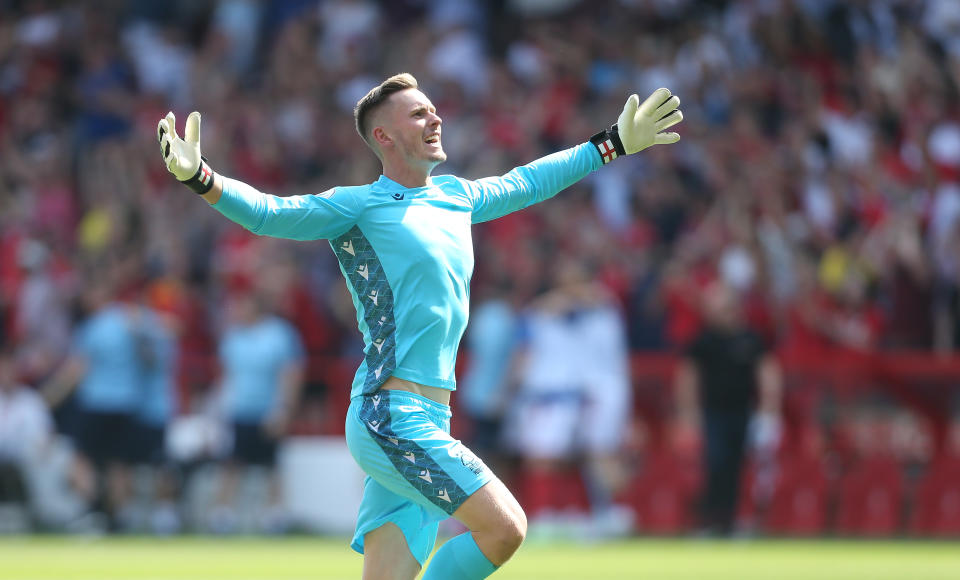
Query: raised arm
{"x": 301, "y": 217}
{"x": 638, "y": 127}
{"x": 494, "y": 197}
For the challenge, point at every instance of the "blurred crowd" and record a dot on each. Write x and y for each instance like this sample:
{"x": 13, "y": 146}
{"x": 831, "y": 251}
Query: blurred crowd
{"x": 818, "y": 175}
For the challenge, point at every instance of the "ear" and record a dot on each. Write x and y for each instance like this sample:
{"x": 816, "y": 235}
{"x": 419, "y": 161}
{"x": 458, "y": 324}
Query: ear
{"x": 380, "y": 137}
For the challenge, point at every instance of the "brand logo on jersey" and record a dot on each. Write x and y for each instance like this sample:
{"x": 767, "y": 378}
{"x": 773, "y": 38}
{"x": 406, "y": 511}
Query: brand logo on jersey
{"x": 364, "y": 273}
{"x": 425, "y": 475}
{"x": 397, "y": 196}
{"x": 393, "y": 440}
{"x": 379, "y": 344}
{"x": 376, "y": 401}
{"x": 409, "y": 456}
{"x": 377, "y": 371}
{"x": 444, "y": 495}
{"x": 373, "y": 296}
{"x": 348, "y": 247}
{"x": 375, "y": 425}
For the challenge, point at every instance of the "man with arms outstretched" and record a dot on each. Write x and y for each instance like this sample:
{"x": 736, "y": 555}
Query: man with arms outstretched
{"x": 404, "y": 247}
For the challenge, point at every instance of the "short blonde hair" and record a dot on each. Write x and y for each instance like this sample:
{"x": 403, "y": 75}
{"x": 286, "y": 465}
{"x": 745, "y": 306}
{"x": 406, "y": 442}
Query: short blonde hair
{"x": 376, "y": 97}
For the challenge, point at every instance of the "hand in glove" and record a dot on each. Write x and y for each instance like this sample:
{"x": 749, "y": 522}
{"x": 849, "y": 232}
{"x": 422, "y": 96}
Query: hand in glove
{"x": 639, "y": 126}
{"x": 182, "y": 156}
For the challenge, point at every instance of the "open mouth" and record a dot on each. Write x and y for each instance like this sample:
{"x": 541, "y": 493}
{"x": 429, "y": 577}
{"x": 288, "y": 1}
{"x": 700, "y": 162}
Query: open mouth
{"x": 433, "y": 139}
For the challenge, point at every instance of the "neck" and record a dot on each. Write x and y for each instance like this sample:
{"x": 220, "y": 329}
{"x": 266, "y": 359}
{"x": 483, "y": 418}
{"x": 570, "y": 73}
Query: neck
{"x": 408, "y": 175}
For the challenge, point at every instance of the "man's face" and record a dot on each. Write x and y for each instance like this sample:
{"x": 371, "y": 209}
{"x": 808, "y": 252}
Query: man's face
{"x": 410, "y": 121}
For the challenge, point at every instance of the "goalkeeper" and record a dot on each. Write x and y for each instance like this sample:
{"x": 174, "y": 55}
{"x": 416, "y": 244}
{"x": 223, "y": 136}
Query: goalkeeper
{"x": 404, "y": 247}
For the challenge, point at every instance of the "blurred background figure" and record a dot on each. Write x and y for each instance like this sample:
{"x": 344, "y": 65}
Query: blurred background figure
{"x": 155, "y": 413}
{"x": 26, "y": 430}
{"x": 488, "y": 383}
{"x": 105, "y": 371}
{"x": 727, "y": 375}
{"x": 262, "y": 367}
{"x": 570, "y": 414}
{"x": 41, "y": 318}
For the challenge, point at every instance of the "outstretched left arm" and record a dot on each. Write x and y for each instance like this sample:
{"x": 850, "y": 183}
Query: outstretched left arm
{"x": 638, "y": 127}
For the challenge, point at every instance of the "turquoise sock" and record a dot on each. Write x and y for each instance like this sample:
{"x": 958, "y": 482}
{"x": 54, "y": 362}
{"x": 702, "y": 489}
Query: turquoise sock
{"x": 459, "y": 559}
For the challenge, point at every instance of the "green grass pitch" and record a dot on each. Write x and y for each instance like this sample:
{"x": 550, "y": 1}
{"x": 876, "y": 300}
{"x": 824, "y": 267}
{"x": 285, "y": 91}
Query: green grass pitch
{"x": 53, "y": 558}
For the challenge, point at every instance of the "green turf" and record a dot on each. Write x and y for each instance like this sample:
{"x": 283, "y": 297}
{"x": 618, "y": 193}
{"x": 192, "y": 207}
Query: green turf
{"x": 47, "y": 558}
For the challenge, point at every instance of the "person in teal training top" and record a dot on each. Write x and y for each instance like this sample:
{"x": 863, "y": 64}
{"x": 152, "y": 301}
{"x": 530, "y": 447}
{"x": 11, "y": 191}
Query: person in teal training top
{"x": 404, "y": 247}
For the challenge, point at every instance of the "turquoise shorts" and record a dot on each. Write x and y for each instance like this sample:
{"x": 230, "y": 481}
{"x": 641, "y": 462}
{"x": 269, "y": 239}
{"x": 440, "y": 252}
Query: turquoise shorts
{"x": 417, "y": 474}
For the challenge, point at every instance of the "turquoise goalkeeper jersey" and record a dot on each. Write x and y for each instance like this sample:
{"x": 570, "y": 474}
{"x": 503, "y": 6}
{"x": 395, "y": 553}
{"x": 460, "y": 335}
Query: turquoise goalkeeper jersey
{"x": 406, "y": 253}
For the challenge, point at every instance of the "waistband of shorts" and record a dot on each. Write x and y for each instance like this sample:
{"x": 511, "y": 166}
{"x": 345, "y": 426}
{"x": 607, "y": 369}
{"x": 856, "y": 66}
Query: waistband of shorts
{"x": 405, "y": 397}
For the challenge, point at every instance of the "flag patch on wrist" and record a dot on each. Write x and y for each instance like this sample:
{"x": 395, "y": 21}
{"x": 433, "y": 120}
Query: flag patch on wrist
{"x": 608, "y": 144}
{"x": 202, "y": 180}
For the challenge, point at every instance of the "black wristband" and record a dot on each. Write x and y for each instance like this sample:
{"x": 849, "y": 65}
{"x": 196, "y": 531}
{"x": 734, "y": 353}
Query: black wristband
{"x": 608, "y": 144}
{"x": 202, "y": 180}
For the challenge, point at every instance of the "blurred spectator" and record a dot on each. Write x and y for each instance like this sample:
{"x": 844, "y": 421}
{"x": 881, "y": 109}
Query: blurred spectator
{"x": 487, "y": 383}
{"x": 35, "y": 462}
{"x": 262, "y": 363}
{"x": 105, "y": 368}
{"x": 726, "y": 374}
{"x": 26, "y": 428}
{"x": 574, "y": 399}
{"x": 154, "y": 414}
{"x": 41, "y": 321}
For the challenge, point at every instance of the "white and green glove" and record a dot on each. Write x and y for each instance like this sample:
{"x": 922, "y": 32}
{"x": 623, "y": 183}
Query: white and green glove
{"x": 639, "y": 126}
{"x": 182, "y": 156}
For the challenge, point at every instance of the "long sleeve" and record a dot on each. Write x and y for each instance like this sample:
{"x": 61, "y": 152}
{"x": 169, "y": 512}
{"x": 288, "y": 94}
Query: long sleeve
{"x": 300, "y": 217}
{"x": 494, "y": 197}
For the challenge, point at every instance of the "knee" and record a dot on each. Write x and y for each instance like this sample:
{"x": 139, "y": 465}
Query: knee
{"x": 511, "y": 534}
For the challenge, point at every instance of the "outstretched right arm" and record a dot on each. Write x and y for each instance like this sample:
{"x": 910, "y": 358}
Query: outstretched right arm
{"x": 300, "y": 217}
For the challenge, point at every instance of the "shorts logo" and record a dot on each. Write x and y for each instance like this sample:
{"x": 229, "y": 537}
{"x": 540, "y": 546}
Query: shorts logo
{"x": 397, "y": 196}
{"x": 470, "y": 461}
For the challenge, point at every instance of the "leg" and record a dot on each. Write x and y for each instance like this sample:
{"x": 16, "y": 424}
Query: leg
{"x": 420, "y": 475}
{"x": 497, "y": 527}
{"x": 386, "y": 555}
{"x": 495, "y": 520}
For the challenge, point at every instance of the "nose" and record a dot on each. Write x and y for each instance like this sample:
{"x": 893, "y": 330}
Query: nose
{"x": 435, "y": 120}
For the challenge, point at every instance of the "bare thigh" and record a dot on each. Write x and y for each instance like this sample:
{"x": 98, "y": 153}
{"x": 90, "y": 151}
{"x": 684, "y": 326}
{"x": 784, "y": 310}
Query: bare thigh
{"x": 386, "y": 555}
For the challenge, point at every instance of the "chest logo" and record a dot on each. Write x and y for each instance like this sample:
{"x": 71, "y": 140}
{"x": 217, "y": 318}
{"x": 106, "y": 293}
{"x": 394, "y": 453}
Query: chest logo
{"x": 397, "y": 196}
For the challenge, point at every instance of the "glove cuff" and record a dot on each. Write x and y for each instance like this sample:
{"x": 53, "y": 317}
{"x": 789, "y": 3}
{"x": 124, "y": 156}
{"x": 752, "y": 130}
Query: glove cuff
{"x": 202, "y": 180}
{"x": 608, "y": 144}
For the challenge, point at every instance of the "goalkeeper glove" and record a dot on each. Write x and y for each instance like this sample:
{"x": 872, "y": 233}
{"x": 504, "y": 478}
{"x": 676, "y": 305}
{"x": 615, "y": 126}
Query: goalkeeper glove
{"x": 182, "y": 156}
{"x": 639, "y": 126}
